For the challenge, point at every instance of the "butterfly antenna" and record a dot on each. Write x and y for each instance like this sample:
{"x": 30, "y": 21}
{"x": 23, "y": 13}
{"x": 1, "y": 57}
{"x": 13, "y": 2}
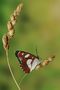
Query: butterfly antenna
{"x": 37, "y": 53}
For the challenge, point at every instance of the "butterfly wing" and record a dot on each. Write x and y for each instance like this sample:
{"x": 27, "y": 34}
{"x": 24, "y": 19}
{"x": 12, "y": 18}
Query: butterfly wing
{"x": 27, "y": 61}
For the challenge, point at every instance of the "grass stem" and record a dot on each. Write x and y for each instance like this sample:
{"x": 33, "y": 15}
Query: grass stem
{"x": 11, "y": 71}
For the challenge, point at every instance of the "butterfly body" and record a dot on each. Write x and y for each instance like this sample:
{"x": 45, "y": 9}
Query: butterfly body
{"x": 28, "y": 61}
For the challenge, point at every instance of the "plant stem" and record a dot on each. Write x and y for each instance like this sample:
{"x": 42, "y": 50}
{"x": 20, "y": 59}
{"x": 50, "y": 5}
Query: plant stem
{"x": 11, "y": 70}
{"x": 22, "y": 79}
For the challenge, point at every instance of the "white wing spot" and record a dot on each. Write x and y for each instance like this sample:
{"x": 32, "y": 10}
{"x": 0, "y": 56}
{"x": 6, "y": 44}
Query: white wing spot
{"x": 34, "y": 64}
{"x": 22, "y": 53}
{"x": 27, "y": 55}
{"x": 29, "y": 63}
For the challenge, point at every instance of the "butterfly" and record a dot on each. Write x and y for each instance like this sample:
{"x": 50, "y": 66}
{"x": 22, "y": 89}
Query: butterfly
{"x": 28, "y": 62}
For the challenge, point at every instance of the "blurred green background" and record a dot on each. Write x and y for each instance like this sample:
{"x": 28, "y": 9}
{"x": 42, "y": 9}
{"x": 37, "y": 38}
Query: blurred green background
{"x": 38, "y": 25}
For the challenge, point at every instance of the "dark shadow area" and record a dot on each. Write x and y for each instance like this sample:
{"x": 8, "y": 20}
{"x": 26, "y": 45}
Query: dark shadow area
{"x": 4, "y": 86}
